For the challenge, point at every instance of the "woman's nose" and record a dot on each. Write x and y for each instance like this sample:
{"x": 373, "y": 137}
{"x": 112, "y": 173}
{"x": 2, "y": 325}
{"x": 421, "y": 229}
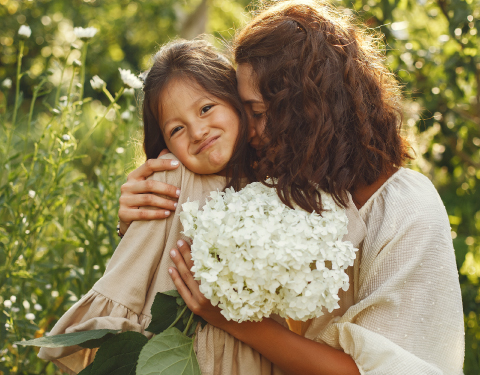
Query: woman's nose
{"x": 252, "y": 133}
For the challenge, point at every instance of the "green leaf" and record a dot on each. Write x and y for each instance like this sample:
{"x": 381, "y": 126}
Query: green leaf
{"x": 119, "y": 354}
{"x": 164, "y": 312}
{"x": 95, "y": 343}
{"x": 87, "y": 370}
{"x": 169, "y": 353}
{"x": 67, "y": 339}
{"x": 172, "y": 293}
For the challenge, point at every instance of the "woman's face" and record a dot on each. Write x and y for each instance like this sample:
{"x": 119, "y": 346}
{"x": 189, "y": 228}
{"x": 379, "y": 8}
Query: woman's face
{"x": 199, "y": 129}
{"x": 254, "y": 105}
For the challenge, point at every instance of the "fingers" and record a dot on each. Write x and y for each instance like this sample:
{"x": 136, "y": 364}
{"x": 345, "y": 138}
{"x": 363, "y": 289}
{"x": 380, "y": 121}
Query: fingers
{"x": 184, "y": 249}
{"x": 185, "y": 274}
{"x": 151, "y": 166}
{"x": 182, "y": 288}
{"x": 149, "y": 186}
{"x": 142, "y": 200}
{"x": 127, "y": 215}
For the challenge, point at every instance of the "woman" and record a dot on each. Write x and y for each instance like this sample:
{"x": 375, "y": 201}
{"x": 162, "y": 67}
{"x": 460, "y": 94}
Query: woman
{"x": 325, "y": 113}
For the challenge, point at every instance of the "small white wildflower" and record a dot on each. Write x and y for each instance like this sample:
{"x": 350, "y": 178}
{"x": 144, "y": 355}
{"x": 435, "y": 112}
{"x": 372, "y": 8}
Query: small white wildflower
{"x": 77, "y": 63}
{"x": 7, "y": 303}
{"x": 31, "y": 194}
{"x": 84, "y": 33}
{"x": 130, "y": 79}
{"x": 37, "y": 307}
{"x": 7, "y": 83}
{"x": 48, "y": 286}
{"x": 127, "y": 115}
{"x": 55, "y": 293}
{"x": 13, "y": 299}
{"x": 26, "y": 304}
{"x": 66, "y": 137}
{"x": 30, "y": 316}
{"x": 97, "y": 83}
{"x": 15, "y": 309}
{"x": 25, "y": 31}
{"x": 120, "y": 150}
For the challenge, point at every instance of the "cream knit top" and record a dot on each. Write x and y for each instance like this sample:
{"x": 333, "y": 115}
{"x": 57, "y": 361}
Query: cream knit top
{"x": 401, "y": 315}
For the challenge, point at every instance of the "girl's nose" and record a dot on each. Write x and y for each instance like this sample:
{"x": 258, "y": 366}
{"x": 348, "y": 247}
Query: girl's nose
{"x": 198, "y": 132}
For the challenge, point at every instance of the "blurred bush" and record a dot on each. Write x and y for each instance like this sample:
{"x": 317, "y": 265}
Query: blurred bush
{"x": 65, "y": 157}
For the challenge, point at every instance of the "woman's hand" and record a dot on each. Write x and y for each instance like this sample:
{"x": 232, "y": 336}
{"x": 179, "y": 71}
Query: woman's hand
{"x": 188, "y": 287}
{"x": 138, "y": 192}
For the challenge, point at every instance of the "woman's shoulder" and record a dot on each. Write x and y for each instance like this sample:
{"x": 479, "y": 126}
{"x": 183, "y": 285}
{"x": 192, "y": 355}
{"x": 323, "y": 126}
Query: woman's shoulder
{"x": 406, "y": 194}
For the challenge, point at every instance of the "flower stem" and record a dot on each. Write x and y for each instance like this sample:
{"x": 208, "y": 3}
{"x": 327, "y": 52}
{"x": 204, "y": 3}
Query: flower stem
{"x": 190, "y": 321}
{"x": 89, "y": 133}
{"x": 15, "y": 108}
{"x": 82, "y": 69}
{"x": 57, "y": 94}
{"x": 32, "y": 105}
{"x": 17, "y": 88}
{"x": 178, "y": 317}
{"x": 109, "y": 96}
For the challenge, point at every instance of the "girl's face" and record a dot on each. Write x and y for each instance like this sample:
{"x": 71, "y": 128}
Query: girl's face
{"x": 254, "y": 105}
{"x": 199, "y": 129}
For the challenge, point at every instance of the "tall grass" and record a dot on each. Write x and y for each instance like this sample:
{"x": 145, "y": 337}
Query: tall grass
{"x": 63, "y": 159}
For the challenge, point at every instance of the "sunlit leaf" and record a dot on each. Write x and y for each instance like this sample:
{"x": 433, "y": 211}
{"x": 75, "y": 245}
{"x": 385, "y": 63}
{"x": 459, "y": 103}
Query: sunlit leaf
{"x": 169, "y": 353}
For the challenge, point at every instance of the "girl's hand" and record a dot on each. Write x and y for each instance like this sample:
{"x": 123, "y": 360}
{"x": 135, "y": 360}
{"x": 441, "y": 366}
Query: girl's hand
{"x": 188, "y": 288}
{"x": 138, "y": 192}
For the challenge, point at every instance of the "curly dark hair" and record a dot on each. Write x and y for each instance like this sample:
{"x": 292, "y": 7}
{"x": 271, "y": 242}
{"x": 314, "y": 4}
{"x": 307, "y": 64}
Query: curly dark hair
{"x": 198, "y": 61}
{"x": 333, "y": 109}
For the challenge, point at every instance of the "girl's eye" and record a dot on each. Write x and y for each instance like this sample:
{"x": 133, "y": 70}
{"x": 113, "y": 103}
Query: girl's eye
{"x": 258, "y": 114}
{"x": 206, "y": 108}
{"x": 175, "y": 129}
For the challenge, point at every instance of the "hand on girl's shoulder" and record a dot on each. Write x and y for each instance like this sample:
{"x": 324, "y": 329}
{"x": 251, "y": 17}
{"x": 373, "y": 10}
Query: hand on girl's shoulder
{"x": 169, "y": 176}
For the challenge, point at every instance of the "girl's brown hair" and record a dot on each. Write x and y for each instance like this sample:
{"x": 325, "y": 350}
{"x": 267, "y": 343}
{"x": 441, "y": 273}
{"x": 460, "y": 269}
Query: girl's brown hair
{"x": 333, "y": 118}
{"x": 198, "y": 61}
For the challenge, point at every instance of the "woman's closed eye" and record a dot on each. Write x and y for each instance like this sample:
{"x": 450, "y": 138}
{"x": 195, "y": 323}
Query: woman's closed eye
{"x": 257, "y": 114}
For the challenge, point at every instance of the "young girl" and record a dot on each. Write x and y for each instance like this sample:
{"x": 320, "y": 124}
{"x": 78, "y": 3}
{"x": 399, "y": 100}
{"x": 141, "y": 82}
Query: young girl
{"x": 192, "y": 107}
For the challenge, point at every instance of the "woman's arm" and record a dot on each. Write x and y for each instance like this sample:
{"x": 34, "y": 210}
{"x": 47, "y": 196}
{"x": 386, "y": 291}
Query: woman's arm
{"x": 140, "y": 192}
{"x": 291, "y": 352}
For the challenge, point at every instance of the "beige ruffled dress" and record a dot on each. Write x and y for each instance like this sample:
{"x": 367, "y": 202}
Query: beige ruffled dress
{"x": 401, "y": 315}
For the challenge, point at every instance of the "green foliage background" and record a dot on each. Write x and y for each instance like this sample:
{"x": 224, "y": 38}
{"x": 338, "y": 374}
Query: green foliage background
{"x": 61, "y": 174}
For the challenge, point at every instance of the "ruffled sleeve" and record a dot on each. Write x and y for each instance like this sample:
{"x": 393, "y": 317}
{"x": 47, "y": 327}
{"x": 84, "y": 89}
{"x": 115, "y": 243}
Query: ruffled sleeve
{"x": 406, "y": 316}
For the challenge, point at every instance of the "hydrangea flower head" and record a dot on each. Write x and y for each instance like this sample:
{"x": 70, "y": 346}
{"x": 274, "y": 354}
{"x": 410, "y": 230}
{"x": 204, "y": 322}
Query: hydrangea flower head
{"x": 255, "y": 256}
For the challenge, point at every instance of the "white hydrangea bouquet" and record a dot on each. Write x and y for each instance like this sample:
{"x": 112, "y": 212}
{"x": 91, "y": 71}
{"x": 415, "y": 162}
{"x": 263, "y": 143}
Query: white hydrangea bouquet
{"x": 255, "y": 256}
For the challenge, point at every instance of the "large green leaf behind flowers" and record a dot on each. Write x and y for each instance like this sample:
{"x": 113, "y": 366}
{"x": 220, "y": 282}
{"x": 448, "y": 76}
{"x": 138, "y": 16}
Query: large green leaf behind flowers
{"x": 170, "y": 352}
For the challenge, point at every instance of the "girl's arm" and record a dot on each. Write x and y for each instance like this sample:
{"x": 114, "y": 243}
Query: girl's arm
{"x": 140, "y": 192}
{"x": 291, "y": 352}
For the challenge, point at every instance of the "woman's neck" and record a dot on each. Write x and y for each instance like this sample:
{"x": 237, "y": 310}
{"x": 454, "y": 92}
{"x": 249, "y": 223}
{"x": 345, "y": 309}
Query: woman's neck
{"x": 363, "y": 193}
